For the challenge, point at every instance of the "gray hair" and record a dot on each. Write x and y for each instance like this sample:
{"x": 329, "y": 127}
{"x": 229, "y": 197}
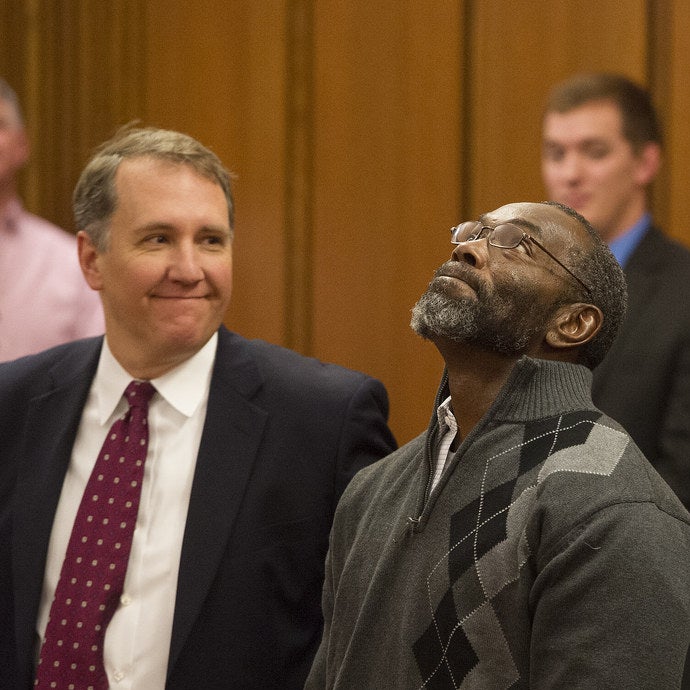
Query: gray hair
{"x": 95, "y": 196}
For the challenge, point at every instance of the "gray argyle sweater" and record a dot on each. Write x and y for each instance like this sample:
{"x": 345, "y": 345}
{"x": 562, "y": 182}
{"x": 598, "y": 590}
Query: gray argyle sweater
{"x": 550, "y": 555}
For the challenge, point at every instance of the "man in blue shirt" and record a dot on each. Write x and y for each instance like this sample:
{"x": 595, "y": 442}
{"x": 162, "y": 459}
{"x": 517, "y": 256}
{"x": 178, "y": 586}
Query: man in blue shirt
{"x": 601, "y": 150}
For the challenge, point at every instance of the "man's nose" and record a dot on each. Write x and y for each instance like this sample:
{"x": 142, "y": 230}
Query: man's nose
{"x": 571, "y": 167}
{"x": 475, "y": 253}
{"x": 185, "y": 265}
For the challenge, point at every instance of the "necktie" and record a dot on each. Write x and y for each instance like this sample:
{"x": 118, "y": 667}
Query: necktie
{"x": 93, "y": 572}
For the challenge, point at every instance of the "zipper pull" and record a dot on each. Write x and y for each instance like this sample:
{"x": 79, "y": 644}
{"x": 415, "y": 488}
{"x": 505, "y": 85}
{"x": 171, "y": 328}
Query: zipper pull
{"x": 411, "y": 523}
{"x": 408, "y": 527}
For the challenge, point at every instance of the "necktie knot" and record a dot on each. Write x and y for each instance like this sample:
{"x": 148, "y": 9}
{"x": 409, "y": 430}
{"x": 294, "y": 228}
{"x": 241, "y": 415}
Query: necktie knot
{"x": 139, "y": 393}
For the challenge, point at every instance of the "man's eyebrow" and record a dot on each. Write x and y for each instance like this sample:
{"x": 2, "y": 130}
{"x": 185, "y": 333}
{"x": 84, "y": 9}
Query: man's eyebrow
{"x": 162, "y": 226}
{"x": 155, "y": 225}
{"x": 536, "y": 229}
{"x": 521, "y": 222}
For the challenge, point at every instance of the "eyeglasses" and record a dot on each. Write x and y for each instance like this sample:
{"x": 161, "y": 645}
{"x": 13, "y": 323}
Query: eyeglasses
{"x": 503, "y": 236}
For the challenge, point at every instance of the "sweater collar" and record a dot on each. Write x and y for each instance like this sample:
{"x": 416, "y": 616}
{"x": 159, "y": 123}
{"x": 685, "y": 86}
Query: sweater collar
{"x": 535, "y": 389}
{"x": 539, "y": 388}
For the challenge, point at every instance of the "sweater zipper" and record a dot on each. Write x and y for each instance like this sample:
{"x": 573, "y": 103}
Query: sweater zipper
{"x": 413, "y": 524}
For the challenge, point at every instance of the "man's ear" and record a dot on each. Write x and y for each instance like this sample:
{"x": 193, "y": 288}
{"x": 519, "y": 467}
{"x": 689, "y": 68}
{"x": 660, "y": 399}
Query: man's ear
{"x": 574, "y": 325}
{"x": 648, "y": 163}
{"x": 89, "y": 261}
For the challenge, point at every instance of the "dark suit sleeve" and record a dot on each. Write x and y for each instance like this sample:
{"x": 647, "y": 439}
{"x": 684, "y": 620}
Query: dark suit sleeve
{"x": 283, "y": 436}
{"x": 365, "y": 437}
{"x": 316, "y": 680}
{"x": 673, "y": 462}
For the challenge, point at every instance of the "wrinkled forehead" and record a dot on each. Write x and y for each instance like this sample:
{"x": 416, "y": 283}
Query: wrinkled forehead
{"x": 549, "y": 224}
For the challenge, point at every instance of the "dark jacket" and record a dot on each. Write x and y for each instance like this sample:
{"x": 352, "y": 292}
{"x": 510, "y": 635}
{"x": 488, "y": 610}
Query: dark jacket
{"x": 283, "y": 436}
{"x": 644, "y": 382}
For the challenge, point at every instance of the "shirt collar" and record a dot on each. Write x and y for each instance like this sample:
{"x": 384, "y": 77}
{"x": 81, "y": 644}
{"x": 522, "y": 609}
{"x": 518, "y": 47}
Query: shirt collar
{"x": 183, "y": 388}
{"x": 446, "y": 418}
{"x": 622, "y": 247}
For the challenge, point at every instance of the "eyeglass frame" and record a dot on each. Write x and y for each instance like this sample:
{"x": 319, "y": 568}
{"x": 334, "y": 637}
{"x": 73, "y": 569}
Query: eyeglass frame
{"x": 524, "y": 236}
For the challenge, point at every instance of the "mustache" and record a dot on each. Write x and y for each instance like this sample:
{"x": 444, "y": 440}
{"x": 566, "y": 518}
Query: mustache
{"x": 461, "y": 271}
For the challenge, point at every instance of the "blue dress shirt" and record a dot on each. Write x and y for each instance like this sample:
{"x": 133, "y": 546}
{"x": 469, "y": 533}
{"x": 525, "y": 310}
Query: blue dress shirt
{"x": 622, "y": 247}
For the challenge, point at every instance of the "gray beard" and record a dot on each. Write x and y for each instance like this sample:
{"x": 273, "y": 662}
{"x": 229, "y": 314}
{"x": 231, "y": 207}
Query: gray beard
{"x": 504, "y": 321}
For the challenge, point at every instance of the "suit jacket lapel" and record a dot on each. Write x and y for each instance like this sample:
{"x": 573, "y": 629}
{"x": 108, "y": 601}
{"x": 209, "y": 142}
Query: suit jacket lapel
{"x": 232, "y": 433}
{"x": 51, "y": 425}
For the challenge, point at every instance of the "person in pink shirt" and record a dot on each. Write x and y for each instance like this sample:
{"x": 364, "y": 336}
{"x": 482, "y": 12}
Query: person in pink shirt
{"x": 44, "y": 299}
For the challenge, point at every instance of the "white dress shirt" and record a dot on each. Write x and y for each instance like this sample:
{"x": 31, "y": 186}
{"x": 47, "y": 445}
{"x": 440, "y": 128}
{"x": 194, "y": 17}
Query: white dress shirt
{"x": 137, "y": 640}
{"x": 448, "y": 428}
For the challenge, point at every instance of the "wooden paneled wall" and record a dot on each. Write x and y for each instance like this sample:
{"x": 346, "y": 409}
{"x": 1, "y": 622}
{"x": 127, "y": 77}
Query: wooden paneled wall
{"x": 358, "y": 131}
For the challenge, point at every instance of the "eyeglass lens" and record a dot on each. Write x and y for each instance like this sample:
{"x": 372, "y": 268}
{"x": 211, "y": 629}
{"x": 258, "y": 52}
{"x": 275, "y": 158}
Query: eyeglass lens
{"x": 504, "y": 236}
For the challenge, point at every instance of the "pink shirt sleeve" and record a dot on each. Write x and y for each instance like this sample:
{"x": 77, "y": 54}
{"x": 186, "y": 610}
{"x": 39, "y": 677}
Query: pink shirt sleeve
{"x": 44, "y": 298}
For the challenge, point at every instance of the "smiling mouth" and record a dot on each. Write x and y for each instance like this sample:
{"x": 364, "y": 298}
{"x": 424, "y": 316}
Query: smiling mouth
{"x": 180, "y": 297}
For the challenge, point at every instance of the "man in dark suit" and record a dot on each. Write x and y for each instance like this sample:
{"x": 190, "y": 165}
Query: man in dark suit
{"x": 248, "y": 450}
{"x": 601, "y": 150}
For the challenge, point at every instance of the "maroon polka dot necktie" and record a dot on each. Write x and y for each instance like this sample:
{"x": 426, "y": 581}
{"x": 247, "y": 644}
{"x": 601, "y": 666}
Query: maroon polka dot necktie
{"x": 93, "y": 572}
